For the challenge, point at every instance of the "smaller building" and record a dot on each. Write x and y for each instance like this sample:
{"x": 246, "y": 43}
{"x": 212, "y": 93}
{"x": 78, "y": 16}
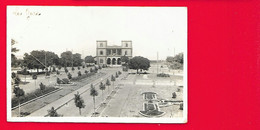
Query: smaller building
{"x": 111, "y": 55}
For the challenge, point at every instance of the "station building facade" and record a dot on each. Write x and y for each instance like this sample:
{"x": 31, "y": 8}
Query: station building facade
{"x": 111, "y": 55}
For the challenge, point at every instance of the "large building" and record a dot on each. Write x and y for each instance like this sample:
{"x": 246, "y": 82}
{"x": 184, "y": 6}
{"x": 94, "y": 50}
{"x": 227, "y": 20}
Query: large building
{"x": 111, "y": 55}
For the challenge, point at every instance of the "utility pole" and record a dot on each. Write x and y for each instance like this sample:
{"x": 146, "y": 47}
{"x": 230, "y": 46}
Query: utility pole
{"x": 45, "y": 65}
{"x": 157, "y": 61}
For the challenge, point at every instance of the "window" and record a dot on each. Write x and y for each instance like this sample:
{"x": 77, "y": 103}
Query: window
{"x": 126, "y": 45}
{"x": 101, "y": 44}
{"x": 101, "y": 61}
{"x": 101, "y": 52}
{"x": 125, "y": 52}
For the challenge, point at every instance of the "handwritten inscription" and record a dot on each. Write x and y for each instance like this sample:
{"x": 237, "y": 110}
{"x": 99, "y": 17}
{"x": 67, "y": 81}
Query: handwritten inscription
{"x": 27, "y": 13}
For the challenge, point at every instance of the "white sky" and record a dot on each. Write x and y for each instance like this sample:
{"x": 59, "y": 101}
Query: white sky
{"x": 151, "y": 29}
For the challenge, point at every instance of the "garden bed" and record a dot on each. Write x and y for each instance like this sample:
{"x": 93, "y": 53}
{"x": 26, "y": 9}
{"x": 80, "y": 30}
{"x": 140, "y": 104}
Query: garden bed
{"x": 151, "y": 110}
{"x": 31, "y": 96}
{"x": 149, "y": 95}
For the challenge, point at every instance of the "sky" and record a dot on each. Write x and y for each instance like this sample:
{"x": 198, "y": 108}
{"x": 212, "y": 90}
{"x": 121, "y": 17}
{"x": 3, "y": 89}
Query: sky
{"x": 61, "y": 28}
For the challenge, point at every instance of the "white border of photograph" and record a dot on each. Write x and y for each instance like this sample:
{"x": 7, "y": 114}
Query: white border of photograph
{"x": 183, "y": 119}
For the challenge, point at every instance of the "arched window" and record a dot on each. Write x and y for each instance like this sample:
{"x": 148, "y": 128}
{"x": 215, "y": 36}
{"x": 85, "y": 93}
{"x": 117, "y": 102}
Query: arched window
{"x": 101, "y": 52}
{"x": 101, "y": 61}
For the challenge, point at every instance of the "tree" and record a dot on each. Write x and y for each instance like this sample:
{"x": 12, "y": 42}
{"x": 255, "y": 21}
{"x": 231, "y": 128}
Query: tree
{"x": 66, "y": 58}
{"x": 52, "y": 112}
{"x": 69, "y": 76}
{"x": 13, "y": 75}
{"x": 139, "y": 63}
{"x": 42, "y": 87}
{"x": 178, "y": 58}
{"x": 96, "y": 69}
{"x": 108, "y": 84}
{"x": 66, "y": 70}
{"x": 79, "y": 73}
{"x": 54, "y": 69}
{"x": 113, "y": 79}
{"x": 124, "y": 60}
{"x": 17, "y": 80}
{"x": 116, "y": 75}
{"x": 72, "y": 68}
{"x": 89, "y": 59}
{"x": 78, "y": 67}
{"x": 14, "y": 60}
{"x": 57, "y": 72}
{"x": 40, "y": 59}
{"x": 77, "y": 61}
{"x": 93, "y": 93}
{"x": 18, "y": 93}
{"x": 91, "y": 70}
{"x": 102, "y": 87}
{"x": 79, "y": 102}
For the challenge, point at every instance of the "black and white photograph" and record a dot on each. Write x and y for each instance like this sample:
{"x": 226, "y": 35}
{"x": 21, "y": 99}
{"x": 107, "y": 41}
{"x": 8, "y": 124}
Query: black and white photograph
{"x": 97, "y": 64}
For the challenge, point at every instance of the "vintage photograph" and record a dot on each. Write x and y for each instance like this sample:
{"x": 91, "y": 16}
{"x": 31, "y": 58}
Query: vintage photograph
{"x": 97, "y": 64}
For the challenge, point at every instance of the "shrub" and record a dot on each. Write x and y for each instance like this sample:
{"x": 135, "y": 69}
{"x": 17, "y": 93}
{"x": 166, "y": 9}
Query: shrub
{"x": 78, "y": 68}
{"x": 116, "y": 75}
{"x": 181, "y": 106}
{"x": 119, "y": 72}
{"x": 54, "y": 69}
{"x": 48, "y": 73}
{"x": 86, "y": 71}
{"x": 72, "y": 69}
{"x": 23, "y": 72}
{"x": 65, "y": 81}
{"x": 58, "y": 81}
{"x": 59, "y": 67}
{"x": 57, "y": 72}
{"x": 69, "y": 76}
{"x": 174, "y": 95}
{"x": 32, "y": 95}
{"x": 96, "y": 69}
{"x": 17, "y": 80}
{"x": 66, "y": 70}
{"x": 83, "y": 66}
{"x": 34, "y": 76}
{"x": 91, "y": 70}
{"x": 79, "y": 73}
{"x": 13, "y": 75}
{"x": 163, "y": 75}
{"x": 42, "y": 87}
{"x": 99, "y": 67}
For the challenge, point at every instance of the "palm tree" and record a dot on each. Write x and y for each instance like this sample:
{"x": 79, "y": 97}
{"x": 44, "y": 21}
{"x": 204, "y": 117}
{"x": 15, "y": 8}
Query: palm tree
{"x": 79, "y": 102}
{"x": 93, "y": 93}
{"x": 102, "y": 87}
{"x": 108, "y": 84}
{"x": 18, "y": 93}
{"x": 113, "y": 79}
